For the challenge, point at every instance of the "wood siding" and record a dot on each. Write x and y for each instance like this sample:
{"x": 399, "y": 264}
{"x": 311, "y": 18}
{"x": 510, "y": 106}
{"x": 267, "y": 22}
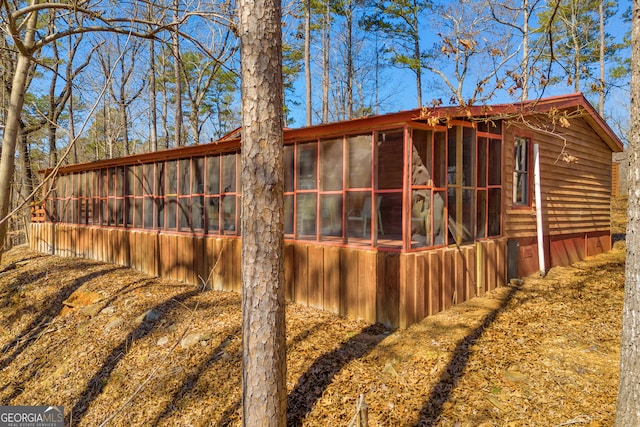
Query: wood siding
{"x": 576, "y": 195}
{"x": 391, "y": 288}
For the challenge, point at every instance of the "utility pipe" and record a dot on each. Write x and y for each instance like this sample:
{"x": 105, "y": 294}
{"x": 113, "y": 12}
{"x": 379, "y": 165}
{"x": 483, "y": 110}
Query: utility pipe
{"x": 538, "y": 195}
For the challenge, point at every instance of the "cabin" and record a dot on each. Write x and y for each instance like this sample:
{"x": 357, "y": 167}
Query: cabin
{"x": 389, "y": 218}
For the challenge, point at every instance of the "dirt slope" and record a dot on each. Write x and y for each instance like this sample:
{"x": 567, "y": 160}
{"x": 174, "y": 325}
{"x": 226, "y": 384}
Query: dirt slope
{"x": 118, "y": 347}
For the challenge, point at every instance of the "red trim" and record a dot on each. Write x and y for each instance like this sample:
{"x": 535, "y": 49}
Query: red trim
{"x": 382, "y": 122}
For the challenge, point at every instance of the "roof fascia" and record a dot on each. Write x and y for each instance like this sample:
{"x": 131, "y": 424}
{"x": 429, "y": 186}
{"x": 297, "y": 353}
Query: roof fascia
{"x": 135, "y": 159}
{"x": 380, "y": 122}
{"x": 538, "y": 106}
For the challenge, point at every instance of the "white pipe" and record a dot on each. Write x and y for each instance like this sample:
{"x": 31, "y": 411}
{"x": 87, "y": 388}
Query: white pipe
{"x": 538, "y": 194}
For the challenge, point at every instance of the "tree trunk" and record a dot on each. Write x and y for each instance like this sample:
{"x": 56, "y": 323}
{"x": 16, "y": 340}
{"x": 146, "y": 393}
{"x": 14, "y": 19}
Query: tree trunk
{"x": 417, "y": 54}
{"x": 350, "y": 59}
{"x": 194, "y": 122}
{"x": 72, "y": 126}
{"x": 602, "y": 71}
{"x": 628, "y": 405}
{"x": 52, "y": 124}
{"x": 576, "y": 51}
{"x": 263, "y": 327}
{"x": 176, "y": 74}
{"x": 51, "y": 136}
{"x": 525, "y": 50}
{"x": 153, "y": 137}
{"x": 122, "y": 105}
{"x": 12, "y": 126}
{"x": 326, "y": 45}
{"x": 165, "y": 108}
{"x": 307, "y": 58}
{"x": 25, "y": 167}
{"x": 124, "y": 120}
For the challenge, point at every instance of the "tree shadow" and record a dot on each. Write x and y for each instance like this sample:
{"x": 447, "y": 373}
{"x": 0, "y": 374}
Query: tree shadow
{"x": 97, "y": 383}
{"x": 441, "y": 392}
{"x": 312, "y": 384}
{"x": 21, "y": 342}
{"x": 225, "y": 419}
{"x": 618, "y": 237}
{"x": 191, "y": 380}
{"x": 14, "y": 264}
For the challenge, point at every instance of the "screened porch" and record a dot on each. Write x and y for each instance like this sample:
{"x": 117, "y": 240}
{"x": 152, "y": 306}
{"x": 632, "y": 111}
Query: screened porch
{"x": 402, "y": 189}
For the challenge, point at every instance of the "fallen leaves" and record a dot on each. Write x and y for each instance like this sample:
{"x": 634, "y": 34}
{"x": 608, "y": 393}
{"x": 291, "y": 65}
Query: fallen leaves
{"x": 136, "y": 350}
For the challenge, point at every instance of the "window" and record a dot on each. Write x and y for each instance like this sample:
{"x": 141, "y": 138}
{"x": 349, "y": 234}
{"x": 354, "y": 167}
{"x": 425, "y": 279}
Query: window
{"x": 212, "y": 199}
{"x": 197, "y": 196}
{"x": 428, "y": 171}
{"x": 171, "y": 195}
{"x": 331, "y": 177}
{"x": 307, "y": 166}
{"x": 462, "y": 167}
{"x": 184, "y": 196}
{"x": 307, "y": 184}
{"x": 521, "y": 175}
{"x": 229, "y": 199}
{"x": 147, "y": 186}
{"x": 489, "y": 194}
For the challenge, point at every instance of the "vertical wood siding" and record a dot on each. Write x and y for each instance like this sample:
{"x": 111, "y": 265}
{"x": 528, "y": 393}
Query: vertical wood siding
{"x": 395, "y": 289}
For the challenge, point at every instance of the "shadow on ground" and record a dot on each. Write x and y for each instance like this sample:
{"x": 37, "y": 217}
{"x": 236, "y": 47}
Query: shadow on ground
{"x": 451, "y": 375}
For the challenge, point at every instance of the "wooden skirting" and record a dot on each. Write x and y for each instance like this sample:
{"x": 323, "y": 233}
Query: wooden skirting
{"x": 561, "y": 250}
{"x": 391, "y": 288}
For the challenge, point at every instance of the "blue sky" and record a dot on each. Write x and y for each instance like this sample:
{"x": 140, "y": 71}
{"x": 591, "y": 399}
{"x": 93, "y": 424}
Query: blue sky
{"x": 402, "y": 95}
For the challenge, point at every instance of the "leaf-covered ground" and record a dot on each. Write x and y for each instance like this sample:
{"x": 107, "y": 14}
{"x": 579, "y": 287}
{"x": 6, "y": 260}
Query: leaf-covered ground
{"x": 119, "y": 348}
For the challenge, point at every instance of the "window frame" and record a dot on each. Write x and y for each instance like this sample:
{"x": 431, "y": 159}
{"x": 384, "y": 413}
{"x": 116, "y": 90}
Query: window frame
{"x": 527, "y": 172}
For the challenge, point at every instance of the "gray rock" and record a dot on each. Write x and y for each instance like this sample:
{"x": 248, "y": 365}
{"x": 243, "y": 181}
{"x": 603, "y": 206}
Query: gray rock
{"x": 149, "y": 315}
{"x": 190, "y": 340}
{"x": 113, "y": 323}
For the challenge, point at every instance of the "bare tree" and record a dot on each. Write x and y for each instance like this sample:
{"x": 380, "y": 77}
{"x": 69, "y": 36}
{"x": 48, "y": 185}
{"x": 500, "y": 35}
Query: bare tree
{"x": 517, "y": 18}
{"x": 19, "y": 23}
{"x": 126, "y": 88}
{"x": 399, "y": 21}
{"x": 207, "y": 79}
{"x": 25, "y": 51}
{"x": 307, "y": 60}
{"x": 64, "y": 99}
{"x": 575, "y": 39}
{"x": 476, "y": 52}
{"x": 601, "y": 58}
{"x": 177, "y": 72}
{"x": 326, "y": 48}
{"x": 262, "y": 173}
{"x": 153, "y": 94}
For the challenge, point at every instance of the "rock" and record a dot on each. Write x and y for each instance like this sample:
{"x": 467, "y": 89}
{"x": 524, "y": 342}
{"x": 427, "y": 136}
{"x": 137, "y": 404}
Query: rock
{"x": 190, "y": 340}
{"x": 513, "y": 376}
{"x": 162, "y": 341}
{"x": 108, "y": 310}
{"x": 149, "y": 315}
{"x": 90, "y": 310}
{"x": 81, "y": 299}
{"x": 389, "y": 369}
{"x": 113, "y": 323}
